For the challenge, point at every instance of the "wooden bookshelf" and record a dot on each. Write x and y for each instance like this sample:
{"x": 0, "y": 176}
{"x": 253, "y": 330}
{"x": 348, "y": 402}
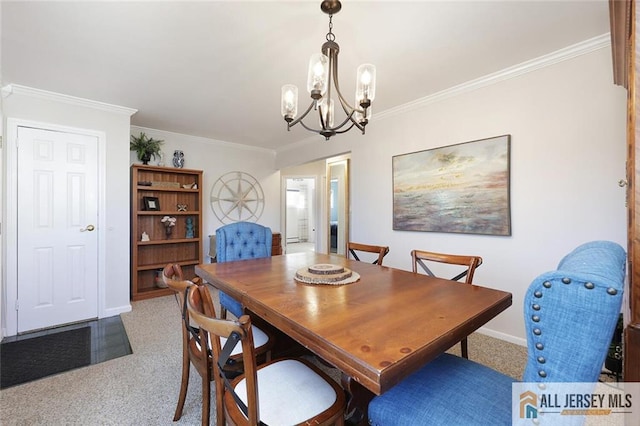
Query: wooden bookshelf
{"x": 166, "y": 188}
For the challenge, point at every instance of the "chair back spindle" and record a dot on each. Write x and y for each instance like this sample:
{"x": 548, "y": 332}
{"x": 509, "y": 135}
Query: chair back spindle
{"x": 470, "y": 264}
{"x": 354, "y": 248}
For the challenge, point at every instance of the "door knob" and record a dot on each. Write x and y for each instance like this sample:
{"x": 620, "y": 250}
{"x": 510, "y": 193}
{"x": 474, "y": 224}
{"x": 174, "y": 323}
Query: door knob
{"x": 88, "y": 228}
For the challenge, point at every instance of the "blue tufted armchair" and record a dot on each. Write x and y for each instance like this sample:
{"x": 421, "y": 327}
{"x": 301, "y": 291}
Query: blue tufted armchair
{"x": 570, "y": 316}
{"x": 241, "y": 241}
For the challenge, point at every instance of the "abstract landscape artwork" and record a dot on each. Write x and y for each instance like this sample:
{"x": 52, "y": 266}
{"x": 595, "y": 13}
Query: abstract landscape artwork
{"x": 462, "y": 188}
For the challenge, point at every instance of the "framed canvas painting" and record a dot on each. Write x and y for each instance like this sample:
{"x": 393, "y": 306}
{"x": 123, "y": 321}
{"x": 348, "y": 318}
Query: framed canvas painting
{"x": 462, "y": 188}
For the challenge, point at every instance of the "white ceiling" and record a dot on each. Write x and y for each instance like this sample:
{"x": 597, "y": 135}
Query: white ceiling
{"x": 215, "y": 68}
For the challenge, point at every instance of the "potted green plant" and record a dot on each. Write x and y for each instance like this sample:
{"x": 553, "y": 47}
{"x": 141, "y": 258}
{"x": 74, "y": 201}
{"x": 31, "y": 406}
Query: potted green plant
{"x": 145, "y": 147}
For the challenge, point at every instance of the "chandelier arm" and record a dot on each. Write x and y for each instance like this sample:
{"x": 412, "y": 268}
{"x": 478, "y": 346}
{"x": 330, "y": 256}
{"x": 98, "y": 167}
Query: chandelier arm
{"x": 353, "y": 123}
{"x": 299, "y": 119}
{"x": 311, "y": 129}
{"x": 358, "y": 125}
{"x": 341, "y": 125}
{"x": 328, "y": 94}
{"x": 323, "y": 124}
{"x": 345, "y": 104}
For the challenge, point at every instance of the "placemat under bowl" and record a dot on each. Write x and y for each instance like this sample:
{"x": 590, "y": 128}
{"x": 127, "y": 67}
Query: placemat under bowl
{"x": 326, "y": 274}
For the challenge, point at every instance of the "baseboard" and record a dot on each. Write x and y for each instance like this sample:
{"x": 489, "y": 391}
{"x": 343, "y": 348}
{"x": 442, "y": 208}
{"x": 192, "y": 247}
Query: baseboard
{"x": 503, "y": 336}
{"x": 112, "y": 312}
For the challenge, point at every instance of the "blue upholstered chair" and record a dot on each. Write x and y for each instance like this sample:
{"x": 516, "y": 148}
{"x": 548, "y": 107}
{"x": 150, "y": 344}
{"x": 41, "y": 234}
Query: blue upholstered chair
{"x": 570, "y": 316}
{"x": 240, "y": 241}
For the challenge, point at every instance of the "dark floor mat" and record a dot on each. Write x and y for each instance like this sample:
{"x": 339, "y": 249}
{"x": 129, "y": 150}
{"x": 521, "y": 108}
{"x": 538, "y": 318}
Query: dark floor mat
{"x": 30, "y": 359}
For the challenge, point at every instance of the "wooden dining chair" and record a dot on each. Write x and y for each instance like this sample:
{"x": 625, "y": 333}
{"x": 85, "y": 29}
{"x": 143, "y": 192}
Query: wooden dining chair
{"x": 173, "y": 277}
{"x": 285, "y": 391}
{"x": 355, "y": 248}
{"x": 470, "y": 263}
{"x": 192, "y": 350}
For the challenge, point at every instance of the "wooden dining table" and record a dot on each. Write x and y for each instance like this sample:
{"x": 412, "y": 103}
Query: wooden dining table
{"x": 377, "y": 330}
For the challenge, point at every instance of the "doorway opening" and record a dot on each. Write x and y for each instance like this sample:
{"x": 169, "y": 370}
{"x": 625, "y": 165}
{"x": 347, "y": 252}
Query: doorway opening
{"x": 317, "y": 176}
{"x": 300, "y": 215}
{"x": 338, "y": 205}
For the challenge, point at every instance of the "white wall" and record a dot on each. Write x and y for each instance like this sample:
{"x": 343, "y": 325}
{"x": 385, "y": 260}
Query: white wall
{"x": 60, "y": 110}
{"x": 567, "y": 127}
{"x": 215, "y": 158}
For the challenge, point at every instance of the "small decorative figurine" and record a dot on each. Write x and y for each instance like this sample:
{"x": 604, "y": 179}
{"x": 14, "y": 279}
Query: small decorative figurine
{"x": 169, "y": 223}
{"x": 182, "y": 207}
{"x": 178, "y": 159}
{"x": 189, "y": 226}
{"x": 145, "y": 237}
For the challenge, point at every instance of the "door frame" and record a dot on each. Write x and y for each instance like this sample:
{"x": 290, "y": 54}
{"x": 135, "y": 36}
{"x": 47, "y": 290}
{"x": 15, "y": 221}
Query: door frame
{"x": 344, "y": 214}
{"x": 9, "y": 291}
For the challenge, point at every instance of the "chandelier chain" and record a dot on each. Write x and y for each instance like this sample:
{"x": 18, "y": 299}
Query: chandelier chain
{"x": 330, "y": 35}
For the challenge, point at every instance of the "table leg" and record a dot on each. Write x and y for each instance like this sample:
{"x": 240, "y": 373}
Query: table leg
{"x": 357, "y": 403}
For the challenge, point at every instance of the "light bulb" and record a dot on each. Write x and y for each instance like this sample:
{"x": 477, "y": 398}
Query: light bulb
{"x": 289, "y": 101}
{"x": 326, "y": 111}
{"x": 366, "y": 82}
{"x": 365, "y": 78}
{"x": 318, "y": 75}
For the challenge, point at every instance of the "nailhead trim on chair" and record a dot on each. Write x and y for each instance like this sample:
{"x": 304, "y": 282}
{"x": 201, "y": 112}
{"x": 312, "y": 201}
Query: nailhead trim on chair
{"x": 536, "y": 318}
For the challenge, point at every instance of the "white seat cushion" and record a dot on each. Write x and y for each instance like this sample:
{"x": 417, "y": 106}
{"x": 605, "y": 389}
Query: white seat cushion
{"x": 289, "y": 393}
{"x": 260, "y": 338}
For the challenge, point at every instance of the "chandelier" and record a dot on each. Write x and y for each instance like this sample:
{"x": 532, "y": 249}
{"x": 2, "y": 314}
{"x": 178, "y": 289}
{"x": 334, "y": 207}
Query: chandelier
{"x": 323, "y": 86}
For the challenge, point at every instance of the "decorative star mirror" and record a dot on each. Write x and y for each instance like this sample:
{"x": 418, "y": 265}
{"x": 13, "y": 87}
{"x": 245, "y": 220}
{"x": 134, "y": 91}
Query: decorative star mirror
{"x": 237, "y": 196}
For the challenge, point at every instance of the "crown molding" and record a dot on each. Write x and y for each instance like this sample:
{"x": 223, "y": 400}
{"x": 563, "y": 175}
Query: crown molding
{"x": 561, "y": 55}
{"x": 16, "y": 89}
{"x": 204, "y": 140}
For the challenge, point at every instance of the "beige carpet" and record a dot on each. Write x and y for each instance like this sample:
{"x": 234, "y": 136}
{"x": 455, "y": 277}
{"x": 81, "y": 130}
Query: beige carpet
{"x": 142, "y": 388}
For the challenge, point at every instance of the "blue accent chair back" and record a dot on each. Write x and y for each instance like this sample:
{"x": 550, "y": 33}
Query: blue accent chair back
{"x": 241, "y": 241}
{"x": 570, "y": 315}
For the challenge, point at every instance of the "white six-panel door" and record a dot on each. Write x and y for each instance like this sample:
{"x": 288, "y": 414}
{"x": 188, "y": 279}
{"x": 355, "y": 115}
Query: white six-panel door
{"x": 57, "y": 218}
